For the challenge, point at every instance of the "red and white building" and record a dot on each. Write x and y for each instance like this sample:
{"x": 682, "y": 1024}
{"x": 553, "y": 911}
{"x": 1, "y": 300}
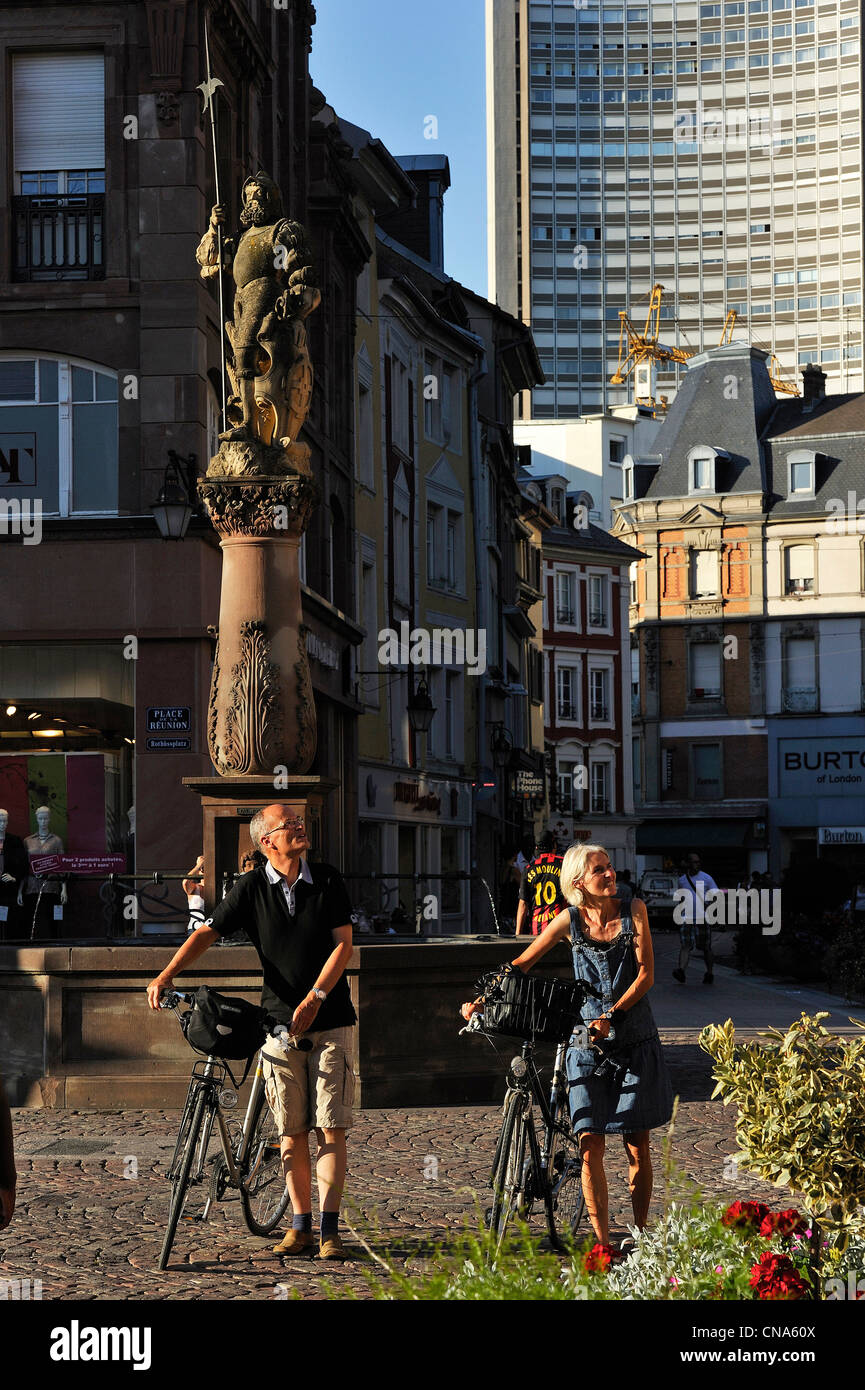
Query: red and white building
{"x": 587, "y": 676}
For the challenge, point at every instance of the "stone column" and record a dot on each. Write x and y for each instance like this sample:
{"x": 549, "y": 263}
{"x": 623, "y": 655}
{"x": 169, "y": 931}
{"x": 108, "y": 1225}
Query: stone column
{"x": 261, "y": 716}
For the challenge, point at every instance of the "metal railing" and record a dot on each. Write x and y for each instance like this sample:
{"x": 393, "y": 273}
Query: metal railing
{"x": 58, "y": 236}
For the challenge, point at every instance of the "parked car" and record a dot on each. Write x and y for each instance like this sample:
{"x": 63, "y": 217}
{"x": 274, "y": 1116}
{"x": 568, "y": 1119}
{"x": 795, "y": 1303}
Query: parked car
{"x": 656, "y": 888}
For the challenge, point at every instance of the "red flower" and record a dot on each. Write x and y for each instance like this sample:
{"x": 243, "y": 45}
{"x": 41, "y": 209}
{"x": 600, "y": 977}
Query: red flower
{"x": 598, "y": 1258}
{"x": 783, "y": 1223}
{"x": 776, "y": 1277}
{"x": 745, "y": 1214}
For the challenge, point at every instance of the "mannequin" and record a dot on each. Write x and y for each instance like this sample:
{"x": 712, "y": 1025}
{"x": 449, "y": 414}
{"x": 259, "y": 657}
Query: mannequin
{"x": 13, "y": 871}
{"x": 42, "y": 895}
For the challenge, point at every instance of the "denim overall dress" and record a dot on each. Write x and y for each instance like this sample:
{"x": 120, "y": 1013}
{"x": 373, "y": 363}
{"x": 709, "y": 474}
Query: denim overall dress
{"x": 629, "y": 1090}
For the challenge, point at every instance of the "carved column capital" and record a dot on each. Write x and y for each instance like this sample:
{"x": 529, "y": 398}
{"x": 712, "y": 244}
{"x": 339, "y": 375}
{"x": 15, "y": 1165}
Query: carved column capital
{"x": 275, "y": 507}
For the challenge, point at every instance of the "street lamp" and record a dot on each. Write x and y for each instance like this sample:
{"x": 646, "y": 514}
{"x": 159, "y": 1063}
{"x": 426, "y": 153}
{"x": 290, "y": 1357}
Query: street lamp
{"x": 421, "y": 709}
{"x": 172, "y": 508}
{"x": 502, "y": 744}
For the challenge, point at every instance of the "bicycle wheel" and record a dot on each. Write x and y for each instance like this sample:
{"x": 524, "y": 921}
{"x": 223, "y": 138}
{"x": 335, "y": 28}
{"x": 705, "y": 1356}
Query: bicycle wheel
{"x": 263, "y": 1193}
{"x": 182, "y": 1171}
{"x": 508, "y": 1180}
{"x": 566, "y": 1176}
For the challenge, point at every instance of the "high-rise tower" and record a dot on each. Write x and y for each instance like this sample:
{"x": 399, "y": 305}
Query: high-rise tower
{"x": 714, "y": 147}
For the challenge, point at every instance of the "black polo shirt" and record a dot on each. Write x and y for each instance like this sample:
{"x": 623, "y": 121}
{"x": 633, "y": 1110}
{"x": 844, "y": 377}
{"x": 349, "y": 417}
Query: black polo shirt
{"x": 292, "y": 949}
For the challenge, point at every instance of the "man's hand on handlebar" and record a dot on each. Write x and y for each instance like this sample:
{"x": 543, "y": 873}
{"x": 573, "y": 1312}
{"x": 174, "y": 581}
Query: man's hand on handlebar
{"x": 155, "y": 988}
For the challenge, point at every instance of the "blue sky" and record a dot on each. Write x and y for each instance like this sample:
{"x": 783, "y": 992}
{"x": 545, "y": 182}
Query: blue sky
{"x": 388, "y": 64}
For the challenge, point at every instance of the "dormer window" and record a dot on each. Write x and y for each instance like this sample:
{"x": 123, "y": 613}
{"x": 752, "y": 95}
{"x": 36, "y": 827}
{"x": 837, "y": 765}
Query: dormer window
{"x": 628, "y": 478}
{"x": 557, "y": 502}
{"x": 801, "y": 468}
{"x": 702, "y": 473}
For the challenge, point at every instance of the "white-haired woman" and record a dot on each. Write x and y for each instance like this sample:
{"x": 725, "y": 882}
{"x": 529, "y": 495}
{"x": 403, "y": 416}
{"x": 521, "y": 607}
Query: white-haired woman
{"x": 628, "y": 1092}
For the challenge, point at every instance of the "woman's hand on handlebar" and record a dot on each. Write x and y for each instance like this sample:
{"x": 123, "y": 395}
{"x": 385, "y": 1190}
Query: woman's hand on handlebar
{"x": 467, "y": 1010}
{"x": 599, "y": 1029}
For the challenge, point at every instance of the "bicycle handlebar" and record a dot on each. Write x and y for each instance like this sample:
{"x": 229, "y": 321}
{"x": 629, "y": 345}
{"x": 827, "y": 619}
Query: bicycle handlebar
{"x": 170, "y": 998}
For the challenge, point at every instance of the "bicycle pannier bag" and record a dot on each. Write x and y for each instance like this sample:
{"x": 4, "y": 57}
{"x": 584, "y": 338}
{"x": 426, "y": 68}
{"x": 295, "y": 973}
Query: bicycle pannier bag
{"x": 224, "y": 1026}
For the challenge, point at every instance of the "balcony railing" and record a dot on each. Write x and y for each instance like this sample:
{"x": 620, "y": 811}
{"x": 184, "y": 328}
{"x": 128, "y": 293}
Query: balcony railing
{"x": 600, "y": 712}
{"x": 565, "y": 615}
{"x": 58, "y": 237}
{"x": 566, "y": 710}
{"x": 799, "y": 699}
{"x": 598, "y": 618}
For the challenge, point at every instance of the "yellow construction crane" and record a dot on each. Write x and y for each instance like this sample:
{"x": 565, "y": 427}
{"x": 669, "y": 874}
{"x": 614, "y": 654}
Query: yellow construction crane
{"x": 638, "y": 352}
{"x": 786, "y": 388}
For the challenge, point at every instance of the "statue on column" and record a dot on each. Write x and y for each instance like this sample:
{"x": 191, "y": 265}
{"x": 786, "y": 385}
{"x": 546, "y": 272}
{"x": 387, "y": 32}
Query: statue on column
{"x": 259, "y": 493}
{"x": 270, "y": 369}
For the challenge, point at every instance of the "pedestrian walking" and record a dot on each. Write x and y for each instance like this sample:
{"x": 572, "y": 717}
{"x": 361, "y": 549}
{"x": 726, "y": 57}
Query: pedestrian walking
{"x": 298, "y": 917}
{"x": 540, "y": 889}
{"x": 695, "y": 934}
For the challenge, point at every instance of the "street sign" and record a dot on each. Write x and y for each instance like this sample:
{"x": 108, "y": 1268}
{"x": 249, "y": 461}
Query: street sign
{"x": 169, "y": 719}
{"x": 169, "y": 745}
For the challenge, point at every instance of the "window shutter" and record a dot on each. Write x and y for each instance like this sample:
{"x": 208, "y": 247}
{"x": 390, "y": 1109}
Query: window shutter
{"x": 801, "y": 667}
{"x": 706, "y": 666}
{"x": 59, "y": 111}
{"x": 800, "y": 562}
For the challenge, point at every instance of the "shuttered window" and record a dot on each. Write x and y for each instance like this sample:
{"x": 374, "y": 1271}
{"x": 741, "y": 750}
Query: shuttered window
{"x": 706, "y": 668}
{"x": 59, "y": 111}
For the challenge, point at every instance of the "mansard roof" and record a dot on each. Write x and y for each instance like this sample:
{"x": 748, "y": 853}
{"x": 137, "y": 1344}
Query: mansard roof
{"x": 723, "y": 404}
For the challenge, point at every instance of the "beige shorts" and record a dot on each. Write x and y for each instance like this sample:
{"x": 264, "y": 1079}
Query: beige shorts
{"x": 310, "y": 1090}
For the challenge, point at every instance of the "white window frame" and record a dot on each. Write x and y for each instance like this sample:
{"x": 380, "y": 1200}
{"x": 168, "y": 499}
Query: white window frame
{"x": 796, "y": 585}
{"x": 604, "y": 576}
{"x": 607, "y": 763}
{"x": 700, "y": 454}
{"x": 574, "y": 666}
{"x": 572, "y": 573}
{"x": 401, "y": 540}
{"x": 716, "y": 591}
{"x": 800, "y": 456}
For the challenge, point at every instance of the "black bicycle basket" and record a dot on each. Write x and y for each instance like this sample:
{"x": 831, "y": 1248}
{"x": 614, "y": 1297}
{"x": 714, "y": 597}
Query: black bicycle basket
{"x": 530, "y": 1006}
{"x": 223, "y": 1026}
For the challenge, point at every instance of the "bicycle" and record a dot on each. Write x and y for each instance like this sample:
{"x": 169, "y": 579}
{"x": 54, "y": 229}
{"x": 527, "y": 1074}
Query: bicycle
{"x": 250, "y": 1159}
{"x": 528, "y": 1168}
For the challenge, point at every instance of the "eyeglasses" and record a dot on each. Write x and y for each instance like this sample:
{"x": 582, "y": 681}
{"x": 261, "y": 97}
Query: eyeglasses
{"x": 286, "y": 825}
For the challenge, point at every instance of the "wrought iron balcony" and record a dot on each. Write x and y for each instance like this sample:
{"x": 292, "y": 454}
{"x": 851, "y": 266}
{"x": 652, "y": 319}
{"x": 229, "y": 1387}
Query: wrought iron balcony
{"x": 58, "y": 237}
{"x": 799, "y": 699}
{"x": 600, "y": 711}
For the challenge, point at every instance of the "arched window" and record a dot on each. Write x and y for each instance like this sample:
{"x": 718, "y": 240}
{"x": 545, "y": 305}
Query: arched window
{"x": 58, "y": 434}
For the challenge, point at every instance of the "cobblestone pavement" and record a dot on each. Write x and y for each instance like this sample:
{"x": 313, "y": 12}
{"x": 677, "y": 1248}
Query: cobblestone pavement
{"x": 89, "y": 1232}
{"x": 92, "y": 1195}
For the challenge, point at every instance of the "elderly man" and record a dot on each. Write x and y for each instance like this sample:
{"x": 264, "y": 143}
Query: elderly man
{"x": 298, "y": 917}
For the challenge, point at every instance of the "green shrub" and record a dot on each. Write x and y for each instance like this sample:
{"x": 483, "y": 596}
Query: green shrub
{"x": 801, "y": 1117}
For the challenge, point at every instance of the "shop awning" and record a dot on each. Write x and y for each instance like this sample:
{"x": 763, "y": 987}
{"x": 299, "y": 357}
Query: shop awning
{"x": 683, "y": 835}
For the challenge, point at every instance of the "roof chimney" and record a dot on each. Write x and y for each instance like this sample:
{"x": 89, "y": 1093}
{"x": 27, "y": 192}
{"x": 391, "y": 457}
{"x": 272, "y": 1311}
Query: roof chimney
{"x": 813, "y": 385}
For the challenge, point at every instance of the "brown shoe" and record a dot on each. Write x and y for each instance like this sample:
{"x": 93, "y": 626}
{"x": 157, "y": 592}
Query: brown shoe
{"x": 294, "y": 1243}
{"x": 332, "y": 1249}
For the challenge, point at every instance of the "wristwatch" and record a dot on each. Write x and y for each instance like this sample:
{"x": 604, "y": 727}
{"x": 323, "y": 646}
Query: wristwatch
{"x": 320, "y": 994}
